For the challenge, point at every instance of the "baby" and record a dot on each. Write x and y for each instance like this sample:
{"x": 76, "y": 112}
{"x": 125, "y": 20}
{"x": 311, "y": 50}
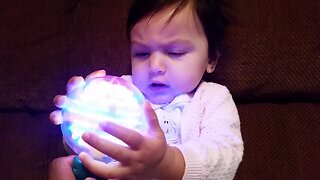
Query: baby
{"x": 193, "y": 125}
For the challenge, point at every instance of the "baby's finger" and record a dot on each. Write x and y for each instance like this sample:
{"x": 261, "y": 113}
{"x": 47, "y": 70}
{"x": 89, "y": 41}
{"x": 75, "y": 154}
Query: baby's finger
{"x": 151, "y": 118}
{"x": 56, "y": 117}
{"x": 99, "y": 73}
{"x": 128, "y": 136}
{"x": 74, "y": 83}
{"x": 116, "y": 151}
{"x": 59, "y": 100}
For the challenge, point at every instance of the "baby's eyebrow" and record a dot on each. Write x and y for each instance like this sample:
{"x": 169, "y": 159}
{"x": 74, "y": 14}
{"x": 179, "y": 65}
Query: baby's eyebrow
{"x": 178, "y": 44}
{"x": 138, "y": 44}
{"x": 179, "y": 41}
{"x": 175, "y": 43}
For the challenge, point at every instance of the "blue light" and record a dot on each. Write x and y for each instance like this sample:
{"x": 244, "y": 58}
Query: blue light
{"x": 108, "y": 98}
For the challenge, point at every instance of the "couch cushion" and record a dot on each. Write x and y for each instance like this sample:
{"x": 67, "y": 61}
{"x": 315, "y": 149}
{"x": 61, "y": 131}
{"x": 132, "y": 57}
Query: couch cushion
{"x": 29, "y": 143}
{"x": 98, "y": 39}
{"x": 33, "y": 50}
{"x": 281, "y": 141}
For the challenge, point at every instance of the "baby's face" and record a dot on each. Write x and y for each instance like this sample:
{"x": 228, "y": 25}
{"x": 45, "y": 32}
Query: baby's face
{"x": 168, "y": 59}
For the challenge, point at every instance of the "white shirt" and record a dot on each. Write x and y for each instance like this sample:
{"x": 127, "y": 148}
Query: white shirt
{"x": 169, "y": 117}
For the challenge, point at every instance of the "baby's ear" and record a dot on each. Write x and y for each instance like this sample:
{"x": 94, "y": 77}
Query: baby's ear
{"x": 213, "y": 61}
{"x": 211, "y": 66}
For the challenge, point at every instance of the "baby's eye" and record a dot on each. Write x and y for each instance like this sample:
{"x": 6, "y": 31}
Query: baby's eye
{"x": 176, "y": 53}
{"x": 141, "y": 54}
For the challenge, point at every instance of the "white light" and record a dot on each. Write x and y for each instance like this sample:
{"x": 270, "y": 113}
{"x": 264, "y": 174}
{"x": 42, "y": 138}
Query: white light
{"x": 102, "y": 99}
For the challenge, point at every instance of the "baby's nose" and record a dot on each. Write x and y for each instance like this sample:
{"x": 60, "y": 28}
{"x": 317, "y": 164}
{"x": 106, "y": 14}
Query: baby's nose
{"x": 157, "y": 63}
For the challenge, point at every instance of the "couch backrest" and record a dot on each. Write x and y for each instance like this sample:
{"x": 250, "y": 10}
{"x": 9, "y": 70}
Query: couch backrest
{"x": 274, "y": 50}
{"x": 33, "y": 51}
{"x": 98, "y": 39}
{"x": 274, "y": 54}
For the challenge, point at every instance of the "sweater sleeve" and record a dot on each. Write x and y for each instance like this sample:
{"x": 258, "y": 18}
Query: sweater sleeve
{"x": 215, "y": 148}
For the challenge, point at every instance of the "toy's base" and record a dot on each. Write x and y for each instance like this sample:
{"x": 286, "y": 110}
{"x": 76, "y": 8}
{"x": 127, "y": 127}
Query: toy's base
{"x": 80, "y": 172}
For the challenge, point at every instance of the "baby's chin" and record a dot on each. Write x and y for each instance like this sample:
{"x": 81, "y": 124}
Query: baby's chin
{"x": 159, "y": 99}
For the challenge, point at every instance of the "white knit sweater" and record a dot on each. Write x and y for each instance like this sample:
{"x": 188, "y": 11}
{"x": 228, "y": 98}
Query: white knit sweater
{"x": 211, "y": 140}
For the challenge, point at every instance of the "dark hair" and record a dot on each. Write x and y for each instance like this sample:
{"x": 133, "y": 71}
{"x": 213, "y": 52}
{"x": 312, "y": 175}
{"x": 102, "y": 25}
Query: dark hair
{"x": 212, "y": 14}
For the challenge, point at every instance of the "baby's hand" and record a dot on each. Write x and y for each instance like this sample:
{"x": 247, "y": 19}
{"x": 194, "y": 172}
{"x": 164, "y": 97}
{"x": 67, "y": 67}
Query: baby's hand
{"x": 61, "y": 169}
{"x": 75, "y": 84}
{"x": 148, "y": 155}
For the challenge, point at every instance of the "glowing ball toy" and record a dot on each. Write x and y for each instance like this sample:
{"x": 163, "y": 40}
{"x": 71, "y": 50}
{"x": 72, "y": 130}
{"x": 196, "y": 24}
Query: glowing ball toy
{"x": 107, "y": 98}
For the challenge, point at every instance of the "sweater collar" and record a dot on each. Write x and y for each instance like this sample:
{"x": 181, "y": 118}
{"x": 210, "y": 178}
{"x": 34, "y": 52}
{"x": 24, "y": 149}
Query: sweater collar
{"x": 179, "y": 100}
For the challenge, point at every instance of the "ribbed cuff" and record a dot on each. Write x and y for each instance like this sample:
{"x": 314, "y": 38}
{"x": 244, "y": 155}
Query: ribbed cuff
{"x": 194, "y": 166}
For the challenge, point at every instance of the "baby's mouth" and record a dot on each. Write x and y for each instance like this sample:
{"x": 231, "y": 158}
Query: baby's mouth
{"x": 158, "y": 86}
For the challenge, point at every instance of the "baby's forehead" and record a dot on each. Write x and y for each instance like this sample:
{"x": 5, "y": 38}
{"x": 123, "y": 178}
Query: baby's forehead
{"x": 168, "y": 21}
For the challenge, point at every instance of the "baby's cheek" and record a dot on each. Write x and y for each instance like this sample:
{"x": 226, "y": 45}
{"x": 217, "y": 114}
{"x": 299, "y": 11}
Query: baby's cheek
{"x": 139, "y": 79}
{"x": 190, "y": 84}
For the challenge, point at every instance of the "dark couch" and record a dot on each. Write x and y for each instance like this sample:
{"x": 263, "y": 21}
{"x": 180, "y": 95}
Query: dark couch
{"x": 272, "y": 70}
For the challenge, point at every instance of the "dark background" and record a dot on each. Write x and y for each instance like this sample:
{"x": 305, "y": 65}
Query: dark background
{"x": 272, "y": 70}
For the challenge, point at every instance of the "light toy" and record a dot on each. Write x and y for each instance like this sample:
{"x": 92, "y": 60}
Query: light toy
{"x": 101, "y": 99}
